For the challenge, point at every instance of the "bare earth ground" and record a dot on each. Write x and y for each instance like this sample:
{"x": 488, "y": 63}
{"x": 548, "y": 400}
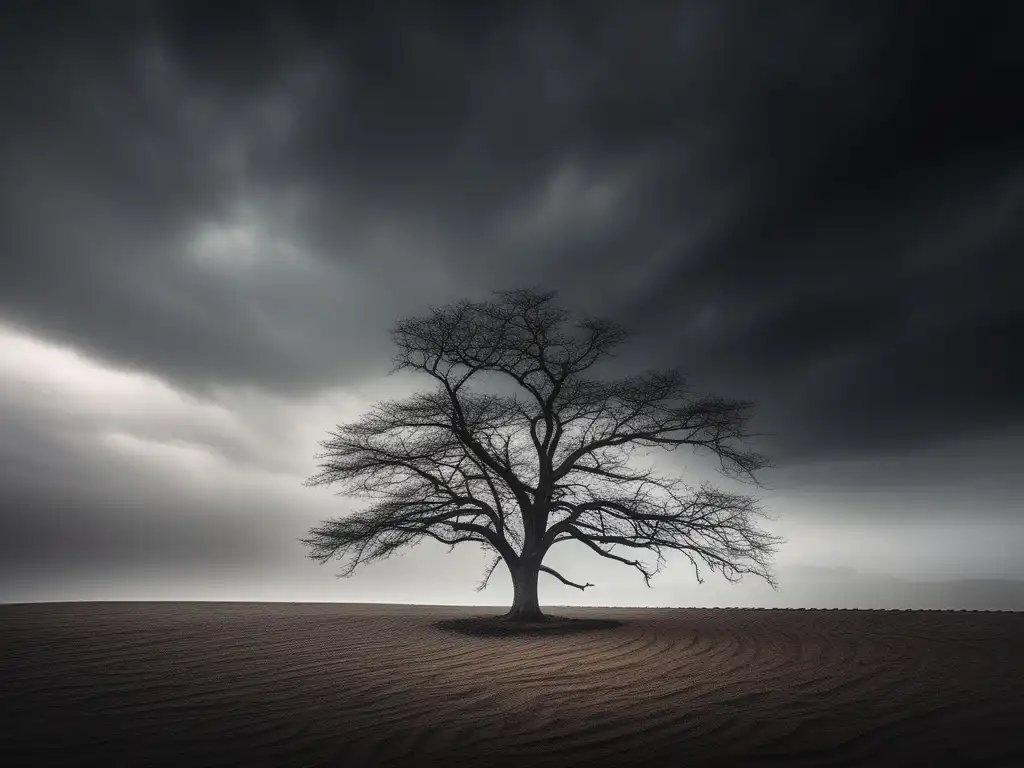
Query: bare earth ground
{"x": 251, "y": 684}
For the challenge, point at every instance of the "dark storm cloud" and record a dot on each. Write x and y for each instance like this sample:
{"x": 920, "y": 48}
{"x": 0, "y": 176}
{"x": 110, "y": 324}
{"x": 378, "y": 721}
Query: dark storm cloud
{"x": 811, "y": 205}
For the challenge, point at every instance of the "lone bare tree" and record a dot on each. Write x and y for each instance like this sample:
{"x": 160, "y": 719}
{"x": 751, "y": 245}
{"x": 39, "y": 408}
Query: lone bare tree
{"x": 551, "y": 462}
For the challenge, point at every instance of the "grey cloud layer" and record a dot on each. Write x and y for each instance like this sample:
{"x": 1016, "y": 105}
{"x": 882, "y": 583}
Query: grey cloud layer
{"x": 811, "y": 205}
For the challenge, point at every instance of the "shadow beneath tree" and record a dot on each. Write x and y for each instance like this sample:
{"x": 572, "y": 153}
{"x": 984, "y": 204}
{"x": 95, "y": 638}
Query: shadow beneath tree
{"x": 498, "y": 626}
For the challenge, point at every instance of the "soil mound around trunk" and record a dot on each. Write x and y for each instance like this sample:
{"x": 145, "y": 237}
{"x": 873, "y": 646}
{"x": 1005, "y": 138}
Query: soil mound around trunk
{"x": 499, "y": 626}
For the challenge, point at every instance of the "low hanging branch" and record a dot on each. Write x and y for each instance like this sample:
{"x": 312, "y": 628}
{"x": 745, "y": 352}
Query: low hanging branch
{"x": 520, "y": 473}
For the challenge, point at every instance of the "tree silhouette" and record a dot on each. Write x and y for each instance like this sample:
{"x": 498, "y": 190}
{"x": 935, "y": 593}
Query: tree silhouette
{"x": 550, "y": 462}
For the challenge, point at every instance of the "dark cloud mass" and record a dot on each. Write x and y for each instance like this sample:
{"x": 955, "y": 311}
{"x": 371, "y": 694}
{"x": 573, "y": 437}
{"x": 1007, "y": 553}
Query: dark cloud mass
{"x": 815, "y": 206}
{"x": 801, "y": 197}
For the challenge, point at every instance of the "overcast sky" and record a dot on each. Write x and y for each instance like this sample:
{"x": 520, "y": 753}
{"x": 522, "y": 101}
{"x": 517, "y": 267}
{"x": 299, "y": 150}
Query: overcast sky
{"x": 212, "y": 213}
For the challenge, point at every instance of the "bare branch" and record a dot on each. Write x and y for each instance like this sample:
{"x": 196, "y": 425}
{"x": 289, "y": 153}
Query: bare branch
{"x": 487, "y": 575}
{"x": 564, "y": 580}
{"x": 589, "y": 541}
{"x": 491, "y": 537}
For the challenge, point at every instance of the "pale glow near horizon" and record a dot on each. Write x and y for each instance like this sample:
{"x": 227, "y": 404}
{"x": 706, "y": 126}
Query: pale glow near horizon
{"x": 240, "y": 462}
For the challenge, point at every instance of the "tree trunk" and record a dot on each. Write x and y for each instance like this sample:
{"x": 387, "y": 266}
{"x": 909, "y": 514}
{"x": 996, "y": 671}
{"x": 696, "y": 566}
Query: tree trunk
{"x": 525, "y": 604}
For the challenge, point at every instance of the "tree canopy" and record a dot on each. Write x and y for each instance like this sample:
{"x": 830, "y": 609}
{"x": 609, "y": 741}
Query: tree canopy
{"x": 553, "y": 461}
